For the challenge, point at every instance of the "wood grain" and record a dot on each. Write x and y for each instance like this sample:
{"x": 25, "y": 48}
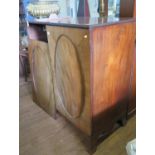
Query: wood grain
{"x": 86, "y": 75}
{"x": 41, "y": 75}
{"x": 68, "y": 76}
{"x": 70, "y": 59}
{"x": 112, "y": 58}
{"x": 126, "y": 8}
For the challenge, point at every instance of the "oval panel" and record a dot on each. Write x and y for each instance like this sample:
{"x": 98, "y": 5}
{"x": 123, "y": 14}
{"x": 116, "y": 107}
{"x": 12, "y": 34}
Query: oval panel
{"x": 41, "y": 76}
{"x": 68, "y": 77}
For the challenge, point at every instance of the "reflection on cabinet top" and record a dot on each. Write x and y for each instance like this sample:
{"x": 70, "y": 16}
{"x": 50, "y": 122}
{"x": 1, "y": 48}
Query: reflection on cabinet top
{"x": 82, "y": 22}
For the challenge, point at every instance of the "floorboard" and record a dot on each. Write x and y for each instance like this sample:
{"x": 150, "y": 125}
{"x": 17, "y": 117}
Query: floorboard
{"x": 40, "y": 134}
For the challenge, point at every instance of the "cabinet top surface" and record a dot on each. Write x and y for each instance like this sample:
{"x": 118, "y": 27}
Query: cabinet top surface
{"x": 81, "y": 22}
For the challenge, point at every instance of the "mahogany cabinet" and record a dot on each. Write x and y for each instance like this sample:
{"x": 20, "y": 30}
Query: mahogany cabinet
{"x": 82, "y": 68}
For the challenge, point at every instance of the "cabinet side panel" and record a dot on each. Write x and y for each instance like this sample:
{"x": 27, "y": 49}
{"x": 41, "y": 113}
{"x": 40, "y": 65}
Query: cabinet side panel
{"x": 113, "y": 48}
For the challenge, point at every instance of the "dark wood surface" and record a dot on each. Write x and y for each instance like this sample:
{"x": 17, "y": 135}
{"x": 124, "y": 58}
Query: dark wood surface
{"x": 83, "y": 22}
{"x": 112, "y": 59}
{"x": 91, "y": 74}
{"x": 127, "y": 8}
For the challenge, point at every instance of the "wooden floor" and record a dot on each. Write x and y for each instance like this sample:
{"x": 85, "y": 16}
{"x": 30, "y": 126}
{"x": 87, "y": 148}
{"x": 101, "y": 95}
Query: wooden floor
{"x": 42, "y": 135}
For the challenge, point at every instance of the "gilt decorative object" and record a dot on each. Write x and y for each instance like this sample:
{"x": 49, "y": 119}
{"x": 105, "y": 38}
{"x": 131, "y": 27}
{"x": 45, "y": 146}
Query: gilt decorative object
{"x": 43, "y": 9}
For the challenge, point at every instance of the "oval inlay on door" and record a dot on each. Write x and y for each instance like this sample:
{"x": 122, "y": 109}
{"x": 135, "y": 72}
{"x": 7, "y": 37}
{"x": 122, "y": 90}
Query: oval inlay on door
{"x": 68, "y": 76}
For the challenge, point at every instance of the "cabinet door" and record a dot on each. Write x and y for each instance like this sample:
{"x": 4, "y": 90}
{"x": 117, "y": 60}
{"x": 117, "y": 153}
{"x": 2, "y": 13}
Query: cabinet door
{"x": 41, "y": 75}
{"x": 69, "y": 51}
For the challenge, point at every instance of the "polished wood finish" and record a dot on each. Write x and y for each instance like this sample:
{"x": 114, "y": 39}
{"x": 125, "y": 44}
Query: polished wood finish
{"x": 110, "y": 73}
{"x": 89, "y": 72}
{"x": 112, "y": 59}
{"x": 126, "y": 8}
{"x": 41, "y": 75}
{"x": 69, "y": 52}
{"x": 80, "y": 22}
